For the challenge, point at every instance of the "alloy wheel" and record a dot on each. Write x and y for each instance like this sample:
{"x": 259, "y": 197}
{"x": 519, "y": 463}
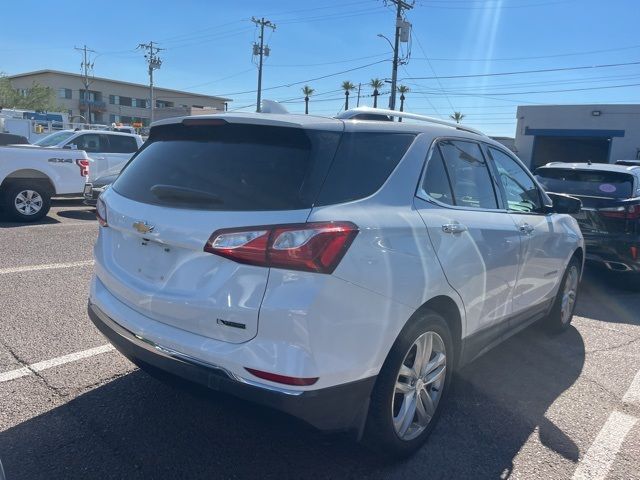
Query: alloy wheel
{"x": 419, "y": 386}
{"x": 569, "y": 294}
{"x": 28, "y": 202}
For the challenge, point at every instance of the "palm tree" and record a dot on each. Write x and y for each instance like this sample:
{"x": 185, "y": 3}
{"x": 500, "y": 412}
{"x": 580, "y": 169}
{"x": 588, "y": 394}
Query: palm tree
{"x": 347, "y": 86}
{"x": 457, "y": 116}
{"x": 307, "y": 91}
{"x": 402, "y": 89}
{"x": 376, "y": 83}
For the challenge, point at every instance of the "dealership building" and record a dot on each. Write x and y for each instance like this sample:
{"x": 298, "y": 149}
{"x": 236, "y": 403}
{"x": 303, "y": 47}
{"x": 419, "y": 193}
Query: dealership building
{"x": 577, "y": 133}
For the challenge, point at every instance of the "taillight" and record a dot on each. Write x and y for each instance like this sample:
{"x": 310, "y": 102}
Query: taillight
{"x": 101, "y": 212}
{"x": 630, "y": 212}
{"x": 84, "y": 167}
{"x": 312, "y": 247}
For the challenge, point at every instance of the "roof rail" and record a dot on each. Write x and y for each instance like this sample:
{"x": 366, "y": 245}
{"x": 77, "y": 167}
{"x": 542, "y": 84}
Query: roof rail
{"x": 354, "y": 112}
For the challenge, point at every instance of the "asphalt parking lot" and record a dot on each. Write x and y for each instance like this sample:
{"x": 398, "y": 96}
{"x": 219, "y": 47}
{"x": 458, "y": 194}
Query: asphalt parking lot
{"x": 538, "y": 406}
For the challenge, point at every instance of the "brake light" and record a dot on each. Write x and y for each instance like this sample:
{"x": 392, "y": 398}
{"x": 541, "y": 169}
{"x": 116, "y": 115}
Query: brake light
{"x": 312, "y": 247}
{"x": 274, "y": 377}
{"x": 630, "y": 212}
{"x": 101, "y": 212}
{"x": 634, "y": 252}
{"x": 84, "y": 167}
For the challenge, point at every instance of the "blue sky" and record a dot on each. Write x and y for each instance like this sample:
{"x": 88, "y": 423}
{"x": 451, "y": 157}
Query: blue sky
{"x": 208, "y": 50}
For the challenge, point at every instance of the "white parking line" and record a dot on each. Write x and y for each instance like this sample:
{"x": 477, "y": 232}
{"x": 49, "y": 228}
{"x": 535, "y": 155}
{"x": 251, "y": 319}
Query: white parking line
{"x": 49, "y": 266}
{"x": 633, "y": 394}
{"x": 54, "y": 362}
{"x": 596, "y": 463}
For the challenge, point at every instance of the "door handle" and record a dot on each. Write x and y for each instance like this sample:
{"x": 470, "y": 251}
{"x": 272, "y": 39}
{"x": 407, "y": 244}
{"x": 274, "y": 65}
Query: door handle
{"x": 526, "y": 228}
{"x": 454, "y": 228}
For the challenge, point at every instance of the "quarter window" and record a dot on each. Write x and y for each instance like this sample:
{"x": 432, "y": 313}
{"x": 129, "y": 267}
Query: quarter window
{"x": 436, "y": 183}
{"x": 468, "y": 174}
{"x": 522, "y": 193}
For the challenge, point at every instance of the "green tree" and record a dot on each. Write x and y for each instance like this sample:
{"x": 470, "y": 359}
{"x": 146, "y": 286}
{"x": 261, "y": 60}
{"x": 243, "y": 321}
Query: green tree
{"x": 457, "y": 116}
{"x": 307, "y": 91}
{"x": 376, "y": 83}
{"x": 348, "y": 87}
{"x": 402, "y": 89}
{"x": 37, "y": 97}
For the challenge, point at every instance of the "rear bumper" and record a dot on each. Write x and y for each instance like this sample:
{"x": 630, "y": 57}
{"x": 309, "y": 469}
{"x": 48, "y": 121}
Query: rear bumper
{"x": 614, "y": 252}
{"x": 338, "y": 408}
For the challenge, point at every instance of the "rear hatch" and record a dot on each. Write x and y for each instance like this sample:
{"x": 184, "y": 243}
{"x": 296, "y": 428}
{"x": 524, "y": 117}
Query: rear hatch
{"x": 190, "y": 180}
{"x": 610, "y": 206}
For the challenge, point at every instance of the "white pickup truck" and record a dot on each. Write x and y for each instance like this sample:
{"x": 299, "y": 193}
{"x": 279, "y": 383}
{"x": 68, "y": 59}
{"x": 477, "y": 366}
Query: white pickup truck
{"x": 29, "y": 177}
{"x": 106, "y": 149}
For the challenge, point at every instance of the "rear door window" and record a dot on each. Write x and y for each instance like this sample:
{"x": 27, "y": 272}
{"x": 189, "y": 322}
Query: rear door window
{"x": 122, "y": 144}
{"x": 591, "y": 183}
{"x": 229, "y": 167}
{"x": 468, "y": 173}
{"x": 362, "y": 164}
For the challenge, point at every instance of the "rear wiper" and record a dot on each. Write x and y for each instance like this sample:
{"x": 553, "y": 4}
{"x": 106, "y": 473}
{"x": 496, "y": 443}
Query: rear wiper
{"x": 184, "y": 194}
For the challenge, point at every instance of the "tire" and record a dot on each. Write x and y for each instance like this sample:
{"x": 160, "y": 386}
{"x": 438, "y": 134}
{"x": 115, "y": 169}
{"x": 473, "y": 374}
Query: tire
{"x": 26, "y": 200}
{"x": 385, "y": 432}
{"x": 561, "y": 314}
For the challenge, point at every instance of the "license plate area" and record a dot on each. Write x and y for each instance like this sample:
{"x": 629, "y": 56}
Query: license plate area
{"x": 154, "y": 261}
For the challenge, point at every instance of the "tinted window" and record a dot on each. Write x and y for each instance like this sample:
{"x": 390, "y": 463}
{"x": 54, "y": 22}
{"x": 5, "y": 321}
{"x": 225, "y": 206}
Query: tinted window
{"x": 362, "y": 164}
{"x": 122, "y": 144}
{"x": 89, "y": 142}
{"x": 229, "y": 167}
{"x": 586, "y": 182}
{"x": 468, "y": 173}
{"x": 521, "y": 191}
{"x": 436, "y": 184}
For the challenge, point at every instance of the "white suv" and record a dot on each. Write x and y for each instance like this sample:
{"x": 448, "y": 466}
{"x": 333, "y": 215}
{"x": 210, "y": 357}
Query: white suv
{"x": 338, "y": 269}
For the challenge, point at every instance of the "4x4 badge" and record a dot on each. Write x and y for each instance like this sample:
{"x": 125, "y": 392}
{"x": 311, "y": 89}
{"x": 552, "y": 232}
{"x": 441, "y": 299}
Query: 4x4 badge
{"x": 143, "y": 227}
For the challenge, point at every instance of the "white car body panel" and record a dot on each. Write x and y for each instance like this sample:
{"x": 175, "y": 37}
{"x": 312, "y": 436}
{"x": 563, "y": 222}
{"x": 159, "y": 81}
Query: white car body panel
{"x": 58, "y": 165}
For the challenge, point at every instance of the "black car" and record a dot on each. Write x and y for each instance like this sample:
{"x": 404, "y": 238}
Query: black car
{"x": 610, "y": 215}
{"x": 93, "y": 189}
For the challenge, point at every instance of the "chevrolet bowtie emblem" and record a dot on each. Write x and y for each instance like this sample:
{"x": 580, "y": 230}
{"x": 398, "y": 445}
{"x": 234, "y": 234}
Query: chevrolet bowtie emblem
{"x": 143, "y": 227}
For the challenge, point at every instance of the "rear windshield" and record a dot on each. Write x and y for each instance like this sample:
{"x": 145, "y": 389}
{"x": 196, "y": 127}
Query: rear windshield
{"x": 237, "y": 167}
{"x": 586, "y": 182}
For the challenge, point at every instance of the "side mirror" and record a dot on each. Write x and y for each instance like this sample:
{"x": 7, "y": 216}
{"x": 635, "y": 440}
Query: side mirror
{"x": 70, "y": 146}
{"x": 563, "y": 203}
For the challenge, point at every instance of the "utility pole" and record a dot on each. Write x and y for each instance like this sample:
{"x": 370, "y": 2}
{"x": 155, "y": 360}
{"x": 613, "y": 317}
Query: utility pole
{"x": 154, "y": 63}
{"x": 358, "y": 101}
{"x": 400, "y": 5}
{"x": 86, "y": 68}
{"x": 261, "y": 51}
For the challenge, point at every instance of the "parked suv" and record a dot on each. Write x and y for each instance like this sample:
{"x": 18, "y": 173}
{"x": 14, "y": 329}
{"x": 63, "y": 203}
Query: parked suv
{"x": 610, "y": 217}
{"x": 334, "y": 268}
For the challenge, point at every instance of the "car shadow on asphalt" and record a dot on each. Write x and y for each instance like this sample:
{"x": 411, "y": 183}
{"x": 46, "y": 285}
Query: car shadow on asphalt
{"x": 609, "y": 297}
{"x": 137, "y": 427}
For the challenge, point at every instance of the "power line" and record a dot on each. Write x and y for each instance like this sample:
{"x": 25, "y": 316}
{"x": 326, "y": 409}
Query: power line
{"x": 453, "y": 93}
{"x": 434, "y": 73}
{"x": 544, "y": 70}
{"x": 293, "y": 84}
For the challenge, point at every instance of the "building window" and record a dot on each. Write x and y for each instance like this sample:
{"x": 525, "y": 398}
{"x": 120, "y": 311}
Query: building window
{"x": 114, "y": 100}
{"x": 163, "y": 104}
{"x": 139, "y": 103}
{"x": 125, "y": 101}
{"x": 64, "y": 93}
{"x": 198, "y": 106}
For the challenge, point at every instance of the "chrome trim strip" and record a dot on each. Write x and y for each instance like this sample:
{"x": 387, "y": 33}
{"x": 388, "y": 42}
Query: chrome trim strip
{"x": 167, "y": 352}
